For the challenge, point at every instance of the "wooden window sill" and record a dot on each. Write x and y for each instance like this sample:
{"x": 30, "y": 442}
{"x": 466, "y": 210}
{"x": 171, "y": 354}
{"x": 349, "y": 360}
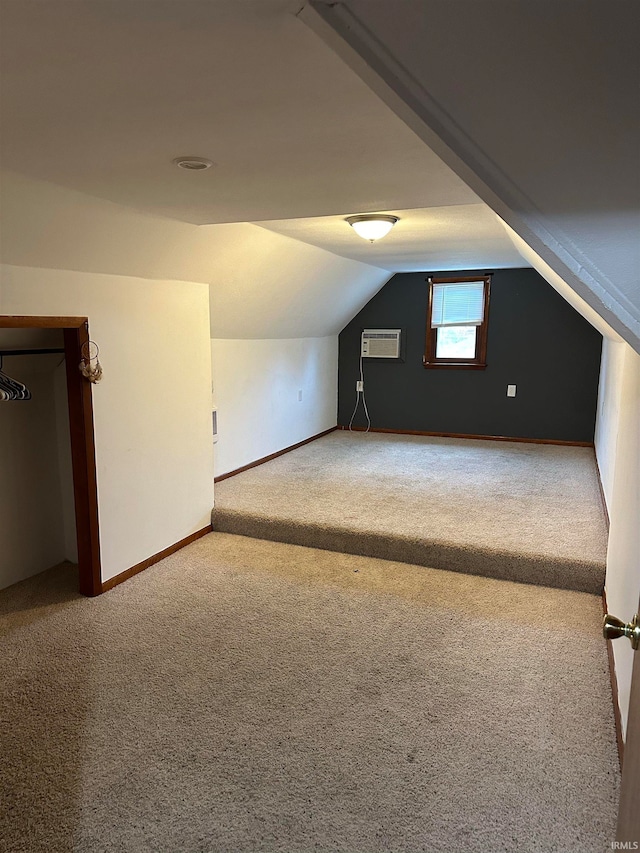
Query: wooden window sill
{"x": 444, "y": 365}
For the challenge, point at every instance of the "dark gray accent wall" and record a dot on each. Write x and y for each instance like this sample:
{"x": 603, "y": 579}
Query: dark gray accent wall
{"x": 536, "y": 341}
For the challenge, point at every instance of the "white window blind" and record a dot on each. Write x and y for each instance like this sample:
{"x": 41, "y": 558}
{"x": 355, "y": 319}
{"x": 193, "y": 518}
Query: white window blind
{"x": 458, "y": 304}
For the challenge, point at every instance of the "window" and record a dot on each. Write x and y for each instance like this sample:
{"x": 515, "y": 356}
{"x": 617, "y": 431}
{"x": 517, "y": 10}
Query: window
{"x": 457, "y": 323}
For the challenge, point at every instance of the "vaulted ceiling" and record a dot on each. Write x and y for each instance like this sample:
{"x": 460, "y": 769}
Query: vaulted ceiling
{"x": 461, "y": 236}
{"x": 98, "y": 97}
{"x": 535, "y": 106}
{"x": 262, "y": 284}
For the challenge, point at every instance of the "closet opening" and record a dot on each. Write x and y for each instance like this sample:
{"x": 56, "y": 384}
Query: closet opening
{"x": 36, "y": 352}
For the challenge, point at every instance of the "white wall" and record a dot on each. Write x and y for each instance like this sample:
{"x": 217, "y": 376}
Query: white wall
{"x": 256, "y": 384}
{"x": 618, "y": 452}
{"x": 608, "y": 414}
{"x": 152, "y": 410}
{"x": 145, "y": 283}
{"x": 31, "y": 519}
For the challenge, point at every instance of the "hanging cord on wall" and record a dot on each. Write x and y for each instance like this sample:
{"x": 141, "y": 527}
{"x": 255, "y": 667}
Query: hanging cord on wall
{"x": 364, "y": 401}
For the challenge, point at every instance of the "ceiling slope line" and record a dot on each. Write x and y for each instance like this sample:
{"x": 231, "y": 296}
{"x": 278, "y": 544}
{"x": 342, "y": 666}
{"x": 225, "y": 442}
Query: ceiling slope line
{"x": 322, "y": 248}
{"x": 336, "y": 24}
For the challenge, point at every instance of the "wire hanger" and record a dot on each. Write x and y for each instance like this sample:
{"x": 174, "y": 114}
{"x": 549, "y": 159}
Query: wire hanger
{"x": 11, "y": 389}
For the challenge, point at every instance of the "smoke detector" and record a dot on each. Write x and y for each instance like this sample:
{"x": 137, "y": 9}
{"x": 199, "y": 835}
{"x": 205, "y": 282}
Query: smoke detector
{"x": 193, "y": 164}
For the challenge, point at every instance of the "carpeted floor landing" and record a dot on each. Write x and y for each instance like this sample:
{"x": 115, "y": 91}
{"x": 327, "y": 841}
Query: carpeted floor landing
{"x": 524, "y": 512}
{"x": 247, "y": 695}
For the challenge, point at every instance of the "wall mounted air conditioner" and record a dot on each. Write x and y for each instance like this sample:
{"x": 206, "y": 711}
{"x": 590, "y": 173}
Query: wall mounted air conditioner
{"x": 380, "y": 343}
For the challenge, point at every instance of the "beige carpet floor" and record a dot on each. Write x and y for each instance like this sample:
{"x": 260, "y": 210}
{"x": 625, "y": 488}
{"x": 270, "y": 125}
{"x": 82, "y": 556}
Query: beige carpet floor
{"x": 247, "y": 695}
{"x": 525, "y": 512}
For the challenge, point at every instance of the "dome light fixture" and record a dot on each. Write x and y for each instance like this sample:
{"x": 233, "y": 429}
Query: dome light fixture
{"x": 372, "y": 226}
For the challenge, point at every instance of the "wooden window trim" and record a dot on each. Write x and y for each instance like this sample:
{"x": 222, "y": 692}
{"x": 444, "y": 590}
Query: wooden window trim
{"x": 479, "y": 362}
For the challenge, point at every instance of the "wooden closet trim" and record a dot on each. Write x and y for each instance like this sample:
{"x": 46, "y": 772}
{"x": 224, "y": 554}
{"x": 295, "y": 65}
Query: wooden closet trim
{"x": 83, "y": 452}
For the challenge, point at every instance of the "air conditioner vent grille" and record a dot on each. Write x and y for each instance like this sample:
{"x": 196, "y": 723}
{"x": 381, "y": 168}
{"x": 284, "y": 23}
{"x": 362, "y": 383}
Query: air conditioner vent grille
{"x": 380, "y": 343}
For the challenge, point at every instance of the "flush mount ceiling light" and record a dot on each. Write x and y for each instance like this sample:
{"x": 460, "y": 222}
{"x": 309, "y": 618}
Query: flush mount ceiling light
{"x": 193, "y": 164}
{"x": 372, "y": 226}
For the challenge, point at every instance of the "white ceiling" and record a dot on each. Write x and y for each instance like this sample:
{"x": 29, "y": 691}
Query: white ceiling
{"x": 462, "y": 236}
{"x": 100, "y": 96}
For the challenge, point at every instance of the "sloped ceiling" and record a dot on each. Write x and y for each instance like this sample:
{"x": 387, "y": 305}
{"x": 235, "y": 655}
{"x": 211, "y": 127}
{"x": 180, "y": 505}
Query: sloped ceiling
{"x": 541, "y": 266}
{"x": 269, "y": 286}
{"x": 463, "y": 236}
{"x": 262, "y": 284}
{"x": 98, "y": 97}
{"x": 535, "y": 106}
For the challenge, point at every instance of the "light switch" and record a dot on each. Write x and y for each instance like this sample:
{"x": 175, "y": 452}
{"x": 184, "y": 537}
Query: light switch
{"x": 511, "y": 390}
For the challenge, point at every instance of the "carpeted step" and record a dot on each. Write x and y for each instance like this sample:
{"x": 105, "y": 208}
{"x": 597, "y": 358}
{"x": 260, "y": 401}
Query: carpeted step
{"x": 510, "y": 510}
{"x": 559, "y": 572}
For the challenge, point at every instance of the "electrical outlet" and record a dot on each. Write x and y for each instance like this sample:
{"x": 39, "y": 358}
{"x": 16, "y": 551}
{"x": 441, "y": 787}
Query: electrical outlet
{"x": 511, "y": 390}
{"x": 359, "y": 385}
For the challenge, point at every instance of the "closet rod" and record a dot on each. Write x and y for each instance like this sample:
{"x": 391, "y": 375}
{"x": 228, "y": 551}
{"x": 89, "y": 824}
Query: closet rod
{"x": 28, "y": 351}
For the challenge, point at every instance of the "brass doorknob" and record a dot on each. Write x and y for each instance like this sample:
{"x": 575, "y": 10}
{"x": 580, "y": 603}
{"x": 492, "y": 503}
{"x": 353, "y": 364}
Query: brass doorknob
{"x": 614, "y": 628}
